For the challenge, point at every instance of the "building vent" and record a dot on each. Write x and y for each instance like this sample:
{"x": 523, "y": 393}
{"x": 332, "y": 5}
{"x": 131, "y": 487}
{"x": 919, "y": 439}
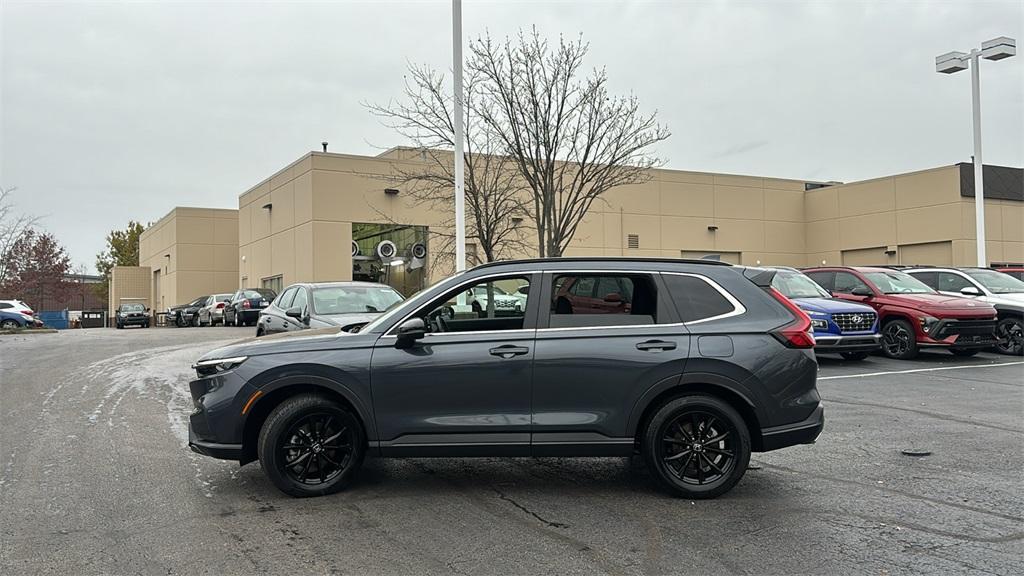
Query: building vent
{"x": 633, "y": 241}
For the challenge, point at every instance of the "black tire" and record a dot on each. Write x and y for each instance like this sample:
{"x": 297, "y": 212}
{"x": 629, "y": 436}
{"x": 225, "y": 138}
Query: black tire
{"x": 854, "y": 355}
{"x": 238, "y": 320}
{"x": 195, "y": 320}
{"x": 898, "y": 340}
{"x": 1010, "y": 336}
{"x": 179, "y": 320}
{"x": 323, "y": 439}
{"x": 666, "y": 439}
{"x": 964, "y": 353}
{"x": 145, "y": 325}
{"x": 259, "y": 331}
{"x": 118, "y": 325}
{"x": 9, "y": 324}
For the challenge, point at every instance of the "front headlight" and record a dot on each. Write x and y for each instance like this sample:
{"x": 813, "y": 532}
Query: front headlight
{"x": 819, "y": 324}
{"x": 217, "y": 365}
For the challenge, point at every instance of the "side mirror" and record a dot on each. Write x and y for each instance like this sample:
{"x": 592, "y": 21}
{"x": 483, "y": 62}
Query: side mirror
{"x": 970, "y": 291}
{"x": 411, "y": 330}
{"x": 862, "y": 291}
{"x": 294, "y": 312}
{"x": 613, "y": 297}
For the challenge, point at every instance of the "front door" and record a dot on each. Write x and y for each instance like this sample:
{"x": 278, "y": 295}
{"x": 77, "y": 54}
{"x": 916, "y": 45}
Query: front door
{"x": 464, "y": 389}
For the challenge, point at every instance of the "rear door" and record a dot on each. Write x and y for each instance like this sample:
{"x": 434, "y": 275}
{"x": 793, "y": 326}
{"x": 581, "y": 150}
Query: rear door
{"x": 592, "y": 362}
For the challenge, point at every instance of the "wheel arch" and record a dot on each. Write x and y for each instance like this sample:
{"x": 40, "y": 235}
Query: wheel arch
{"x": 279, "y": 390}
{"x": 714, "y": 385}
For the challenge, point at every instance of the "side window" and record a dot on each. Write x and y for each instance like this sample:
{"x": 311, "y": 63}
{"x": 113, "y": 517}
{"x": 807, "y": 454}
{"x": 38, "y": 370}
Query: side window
{"x": 695, "y": 299}
{"x": 623, "y": 300}
{"x": 300, "y": 300}
{"x": 826, "y": 280}
{"x": 285, "y": 301}
{"x": 846, "y": 283}
{"x": 949, "y": 282}
{"x": 493, "y": 304}
{"x": 931, "y": 279}
{"x": 5, "y": 305}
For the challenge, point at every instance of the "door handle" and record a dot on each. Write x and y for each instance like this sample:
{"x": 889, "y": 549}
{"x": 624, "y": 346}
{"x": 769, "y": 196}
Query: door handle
{"x": 656, "y": 345}
{"x": 508, "y": 351}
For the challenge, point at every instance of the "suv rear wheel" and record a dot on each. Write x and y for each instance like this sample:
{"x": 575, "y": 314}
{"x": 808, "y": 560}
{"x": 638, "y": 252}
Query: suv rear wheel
{"x": 697, "y": 446}
{"x": 311, "y": 446}
{"x": 898, "y": 340}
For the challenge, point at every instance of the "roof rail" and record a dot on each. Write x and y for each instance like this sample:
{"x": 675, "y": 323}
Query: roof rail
{"x": 602, "y": 259}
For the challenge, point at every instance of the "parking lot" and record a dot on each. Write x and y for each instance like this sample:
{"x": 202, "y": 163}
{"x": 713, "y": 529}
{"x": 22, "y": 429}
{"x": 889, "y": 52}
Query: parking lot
{"x": 96, "y": 478}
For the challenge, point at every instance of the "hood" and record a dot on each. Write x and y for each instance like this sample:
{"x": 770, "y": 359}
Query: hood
{"x": 1013, "y": 300}
{"x": 940, "y": 301}
{"x": 830, "y": 305}
{"x": 348, "y": 319}
{"x": 271, "y": 343}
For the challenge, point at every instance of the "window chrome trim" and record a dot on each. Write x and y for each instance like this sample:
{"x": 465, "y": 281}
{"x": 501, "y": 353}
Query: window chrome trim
{"x": 737, "y": 310}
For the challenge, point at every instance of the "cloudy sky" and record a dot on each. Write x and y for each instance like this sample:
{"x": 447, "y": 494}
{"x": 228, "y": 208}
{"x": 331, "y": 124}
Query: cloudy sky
{"x": 114, "y": 111}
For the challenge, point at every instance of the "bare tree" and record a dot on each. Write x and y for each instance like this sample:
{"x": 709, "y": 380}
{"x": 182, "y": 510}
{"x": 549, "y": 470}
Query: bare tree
{"x": 495, "y": 194}
{"x": 13, "y": 227}
{"x": 570, "y": 140}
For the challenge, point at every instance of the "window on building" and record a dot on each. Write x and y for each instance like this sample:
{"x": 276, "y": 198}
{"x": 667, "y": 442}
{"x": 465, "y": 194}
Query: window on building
{"x": 695, "y": 299}
{"x": 275, "y": 283}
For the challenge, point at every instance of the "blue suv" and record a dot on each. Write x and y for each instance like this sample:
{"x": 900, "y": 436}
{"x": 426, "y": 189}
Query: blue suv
{"x": 839, "y": 326}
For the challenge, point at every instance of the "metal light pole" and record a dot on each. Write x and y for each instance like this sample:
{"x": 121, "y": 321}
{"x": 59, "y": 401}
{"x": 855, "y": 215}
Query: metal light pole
{"x": 951, "y": 62}
{"x": 460, "y": 190}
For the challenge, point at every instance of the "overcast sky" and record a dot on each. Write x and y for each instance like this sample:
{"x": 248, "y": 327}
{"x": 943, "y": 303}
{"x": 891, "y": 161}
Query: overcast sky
{"x": 118, "y": 111}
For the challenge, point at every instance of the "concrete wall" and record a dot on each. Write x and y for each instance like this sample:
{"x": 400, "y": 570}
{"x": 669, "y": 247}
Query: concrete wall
{"x": 191, "y": 252}
{"x": 129, "y": 284}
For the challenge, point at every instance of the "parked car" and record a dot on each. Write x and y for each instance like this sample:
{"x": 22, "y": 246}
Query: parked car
{"x": 505, "y": 303}
{"x": 912, "y": 315}
{"x": 244, "y": 307}
{"x": 10, "y": 320}
{"x": 709, "y": 364}
{"x": 1002, "y": 291}
{"x": 186, "y": 314}
{"x": 328, "y": 304}
{"x": 1016, "y": 272}
{"x": 593, "y": 295}
{"x": 212, "y": 312}
{"x": 842, "y": 327}
{"x": 17, "y": 306}
{"x": 131, "y": 314}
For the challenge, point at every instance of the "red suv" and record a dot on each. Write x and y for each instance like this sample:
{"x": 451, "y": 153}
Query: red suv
{"x": 911, "y": 314}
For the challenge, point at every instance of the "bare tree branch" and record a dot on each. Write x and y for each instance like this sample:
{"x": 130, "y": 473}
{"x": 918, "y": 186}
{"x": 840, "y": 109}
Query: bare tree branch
{"x": 12, "y": 228}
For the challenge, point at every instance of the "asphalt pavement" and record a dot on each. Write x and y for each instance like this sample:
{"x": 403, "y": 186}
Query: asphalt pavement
{"x": 96, "y": 478}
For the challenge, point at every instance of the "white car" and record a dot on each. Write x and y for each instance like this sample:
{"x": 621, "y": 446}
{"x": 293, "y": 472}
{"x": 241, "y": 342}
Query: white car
{"x": 16, "y": 306}
{"x": 212, "y": 313}
{"x": 1001, "y": 290}
{"x": 505, "y": 304}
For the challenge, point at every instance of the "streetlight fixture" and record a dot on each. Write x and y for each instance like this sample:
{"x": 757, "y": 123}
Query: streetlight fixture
{"x": 951, "y": 62}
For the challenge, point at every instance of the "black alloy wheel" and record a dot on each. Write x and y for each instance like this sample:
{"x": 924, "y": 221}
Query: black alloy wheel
{"x": 311, "y": 446}
{"x": 697, "y": 446}
{"x": 898, "y": 340}
{"x": 179, "y": 320}
{"x": 1010, "y": 336}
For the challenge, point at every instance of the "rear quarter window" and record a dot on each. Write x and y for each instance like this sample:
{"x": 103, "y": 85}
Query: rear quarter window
{"x": 695, "y": 299}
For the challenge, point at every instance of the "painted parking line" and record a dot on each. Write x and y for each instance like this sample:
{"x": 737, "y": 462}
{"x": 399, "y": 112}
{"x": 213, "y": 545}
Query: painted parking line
{"x": 916, "y": 370}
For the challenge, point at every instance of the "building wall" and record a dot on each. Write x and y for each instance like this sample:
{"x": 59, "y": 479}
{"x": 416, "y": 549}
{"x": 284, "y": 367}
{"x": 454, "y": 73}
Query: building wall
{"x": 191, "y": 252}
{"x": 129, "y": 284}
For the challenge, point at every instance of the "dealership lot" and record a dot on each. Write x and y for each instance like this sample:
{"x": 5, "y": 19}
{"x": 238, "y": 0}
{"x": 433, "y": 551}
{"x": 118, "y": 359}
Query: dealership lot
{"x": 95, "y": 478}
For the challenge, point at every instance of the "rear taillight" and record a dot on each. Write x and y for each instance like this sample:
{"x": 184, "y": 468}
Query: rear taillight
{"x": 28, "y": 313}
{"x": 220, "y": 305}
{"x": 246, "y": 304}
{"x": 796, "y": 334}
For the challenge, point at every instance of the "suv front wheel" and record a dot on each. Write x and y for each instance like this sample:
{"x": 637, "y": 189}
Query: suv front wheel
{"x": 898, "y": 340}
{"x": 697, "y": 446}
{"x": 311, "y": 446}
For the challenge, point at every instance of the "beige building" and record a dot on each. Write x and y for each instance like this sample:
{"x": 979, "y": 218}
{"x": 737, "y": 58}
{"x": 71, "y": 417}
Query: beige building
{"x": 323, "y": 217}
{"x": 190, "y": 252}
{"x": 128, "y": 285}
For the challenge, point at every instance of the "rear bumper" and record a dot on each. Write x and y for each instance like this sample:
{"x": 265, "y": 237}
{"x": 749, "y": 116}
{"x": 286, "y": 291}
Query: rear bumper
{"x": 847, "y": 343}
{"x": 804, "y": 432}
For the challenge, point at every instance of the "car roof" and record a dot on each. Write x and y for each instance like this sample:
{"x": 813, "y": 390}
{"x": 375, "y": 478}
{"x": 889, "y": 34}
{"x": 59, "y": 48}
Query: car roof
{"x": 338, "y": 284}
{"x": 613, "y": 262}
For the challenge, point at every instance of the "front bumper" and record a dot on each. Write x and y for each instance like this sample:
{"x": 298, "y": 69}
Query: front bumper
{"x": 960, "y": 334}
{"x": 212, "y": 449}
{"x": 830, "y": 343}
{"x": 133, "y": 320}
{"x": 803, "y": 432}
{"x": 215, "y": 424}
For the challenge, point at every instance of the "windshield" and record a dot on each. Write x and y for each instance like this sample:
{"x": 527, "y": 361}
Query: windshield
{"x": 996, "y": 282}
{"x": 893, "y": 282}
{"x": 797, "y": 285}
{"x": 354, "y": 299}
{"x": 222, "y": 298}
{"x": 259, "y": 293}
{"x": 132, "y": 307}
{"x": 199, "y": 301}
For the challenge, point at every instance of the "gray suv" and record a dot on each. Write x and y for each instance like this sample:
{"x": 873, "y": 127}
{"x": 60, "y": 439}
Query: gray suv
{"x": 692, "y": 364}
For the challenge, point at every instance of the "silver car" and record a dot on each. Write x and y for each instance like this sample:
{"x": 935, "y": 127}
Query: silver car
{"x": 212, "y": 312}
{"x": 326, "y": 305}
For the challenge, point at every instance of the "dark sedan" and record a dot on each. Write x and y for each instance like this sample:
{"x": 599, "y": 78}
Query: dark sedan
{"x": 245, "y": 306}
{"x": 326, "y": 305}
{"x": 182, "y": 314}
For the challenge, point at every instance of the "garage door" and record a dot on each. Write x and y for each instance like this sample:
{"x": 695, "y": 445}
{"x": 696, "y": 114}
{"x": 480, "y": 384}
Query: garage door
{"x": 932, "y": 254}
{"x": 865, "y": 257}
